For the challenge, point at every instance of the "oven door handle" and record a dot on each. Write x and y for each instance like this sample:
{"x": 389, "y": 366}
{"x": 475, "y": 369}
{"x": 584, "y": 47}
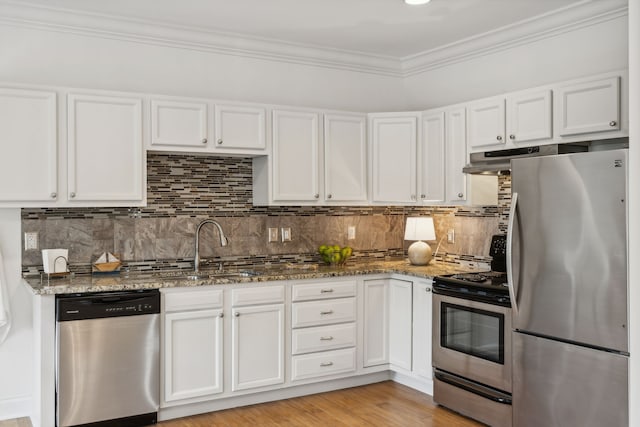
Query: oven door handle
{"x": 510, "y": 267}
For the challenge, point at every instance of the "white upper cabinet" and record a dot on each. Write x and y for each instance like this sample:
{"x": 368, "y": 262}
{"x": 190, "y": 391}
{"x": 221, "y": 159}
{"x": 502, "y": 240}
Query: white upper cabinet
{"x": 28, "y": 140}
{"x": 240, "y": 129}
{"x": 529, "y": 116}
{"x": 456, "y": 154}
{"x": 105, "y": 159}
{"x": 179, "y": 125}
{"x": 514, "y": 120}
{"x": 393, "y": 139}
{"x": 432, "y": 158}
{"x": 345, "y": 158}
{"x": 590, "y": 106}
{"x": 295, "y": 156}
{"x": 486, "y": 124}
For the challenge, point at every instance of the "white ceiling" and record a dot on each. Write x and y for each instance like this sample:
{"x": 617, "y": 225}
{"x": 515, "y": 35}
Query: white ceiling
{"x": 377, "y": 27}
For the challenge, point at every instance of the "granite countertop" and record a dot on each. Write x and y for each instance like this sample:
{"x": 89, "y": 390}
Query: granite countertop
{"x": 41, "y": 285}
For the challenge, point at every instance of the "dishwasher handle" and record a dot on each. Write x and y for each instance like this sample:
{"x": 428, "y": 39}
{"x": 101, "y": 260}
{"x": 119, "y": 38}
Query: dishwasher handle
{"x": 107, "y": 304}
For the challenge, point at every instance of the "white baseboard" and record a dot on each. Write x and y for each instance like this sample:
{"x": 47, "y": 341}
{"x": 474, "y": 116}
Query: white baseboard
{"x": 417, "y": 383}
{"x": 17, "y": 407}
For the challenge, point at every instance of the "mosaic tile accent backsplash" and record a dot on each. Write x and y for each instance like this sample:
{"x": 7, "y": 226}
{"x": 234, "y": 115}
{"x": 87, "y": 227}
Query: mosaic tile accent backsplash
{"x": 182, "y": 190}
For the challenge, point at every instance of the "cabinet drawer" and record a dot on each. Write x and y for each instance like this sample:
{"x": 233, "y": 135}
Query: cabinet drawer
{"x": 313, "y": 291}
{"x": 192, "y": 299}
{"x": 323, "y": 338}
{"x": 316, "y": 313}
{"x": 323, "y": 364}
{"x": 251, "y": 296}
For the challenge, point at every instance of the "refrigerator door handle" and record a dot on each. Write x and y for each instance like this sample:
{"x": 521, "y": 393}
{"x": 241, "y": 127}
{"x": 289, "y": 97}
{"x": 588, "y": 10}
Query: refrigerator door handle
{"x": 510, "y": 230}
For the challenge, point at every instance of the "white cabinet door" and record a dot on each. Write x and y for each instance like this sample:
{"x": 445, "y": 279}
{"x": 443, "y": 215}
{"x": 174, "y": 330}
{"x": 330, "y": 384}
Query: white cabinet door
{"x": 486, "y": 125}
{"x": 529, "y": 116}
{"x": 400, "y": 329}
{"x": 422, "y": 329}
{"x": 376, "y": 322}
{"x": 240, "y": 128}
{"x": 432, "y": 170}
{"x": 456, "y": 155}
{"x": 105, "y": 158}
{"x": 192, "y": 354}
{"x": 179, "y": 125}
{"x": 587, "y": 107}
{"x": 295, "y": 156}
{"x": 345, "y": 158}
{"x": 258, "y": 346}
{"x": 28, "y": 140}
{"x": 393, "y": 147}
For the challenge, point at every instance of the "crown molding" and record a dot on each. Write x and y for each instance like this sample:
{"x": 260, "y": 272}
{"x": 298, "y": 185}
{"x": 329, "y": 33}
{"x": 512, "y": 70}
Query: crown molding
{"x": 571, "y": 18}
{"x": 22, "y": 14}
{"x": 574, "y": 17}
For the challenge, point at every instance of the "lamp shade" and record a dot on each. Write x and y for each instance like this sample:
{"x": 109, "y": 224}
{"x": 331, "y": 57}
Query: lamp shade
{"x": 420, "y": 228}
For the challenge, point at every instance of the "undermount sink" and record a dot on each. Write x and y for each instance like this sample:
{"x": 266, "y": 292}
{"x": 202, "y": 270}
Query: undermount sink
{"x": 222, "y": 275}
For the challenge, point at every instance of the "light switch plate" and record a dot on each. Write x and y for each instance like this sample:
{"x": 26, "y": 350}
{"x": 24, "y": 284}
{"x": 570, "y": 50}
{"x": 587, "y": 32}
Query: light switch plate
{"x": 273, "y": 234}
{"x": 351, "y": 232}
{"x": 451, "y": 236}
{"x": 285, "y": 232}
{"x": 31, "y": 241}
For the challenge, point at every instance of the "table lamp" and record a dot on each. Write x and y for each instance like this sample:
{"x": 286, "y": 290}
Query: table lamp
{"x": 419, "y": 229}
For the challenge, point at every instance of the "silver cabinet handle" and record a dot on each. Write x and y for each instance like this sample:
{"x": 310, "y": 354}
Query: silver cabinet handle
{"x": 499, "y": 138}
{"x": 54, "y": 195}
{"x": 237, "y": 314}
{"x": 219, "y": 142}
{"x": 72, "y": 195}
{"x": 328, "y": 196}
{"x": 326, "y": 291}
{"x": 460, "y": 195}
{"x": 327, "y": 312}
{"x": 316, "y": 195}
{"x": 326, "y": 364}
{"x": 613, "y": 123}
{"x": 204, "y": 140}
{"x": 329, "y": 338}
{"x": 512, "y": 137}
{"x": 427, "y": 290}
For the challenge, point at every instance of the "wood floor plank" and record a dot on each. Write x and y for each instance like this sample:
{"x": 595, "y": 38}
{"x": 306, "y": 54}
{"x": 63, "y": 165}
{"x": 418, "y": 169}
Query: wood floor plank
{"x": 383, "y": 404}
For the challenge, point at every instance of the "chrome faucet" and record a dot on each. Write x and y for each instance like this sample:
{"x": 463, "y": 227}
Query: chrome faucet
{"x": 223, "y": 241}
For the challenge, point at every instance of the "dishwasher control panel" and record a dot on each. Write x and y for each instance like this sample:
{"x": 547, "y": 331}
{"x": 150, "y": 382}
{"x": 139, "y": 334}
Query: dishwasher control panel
{"x": 107, "y": 304}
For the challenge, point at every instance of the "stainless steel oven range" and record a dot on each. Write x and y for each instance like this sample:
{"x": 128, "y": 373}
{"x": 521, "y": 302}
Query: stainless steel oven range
{"x": 472, "y": 346}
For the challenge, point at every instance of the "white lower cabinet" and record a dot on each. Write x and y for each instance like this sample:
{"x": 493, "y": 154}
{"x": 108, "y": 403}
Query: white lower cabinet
{"x": 323, "y": 329}
{"x": 376, "y": 322}
{"x": 257, "y": 355}
{"x": 422, "y": 334}
{"x": 192, "y": 345}
{"x": 400, "y": 318}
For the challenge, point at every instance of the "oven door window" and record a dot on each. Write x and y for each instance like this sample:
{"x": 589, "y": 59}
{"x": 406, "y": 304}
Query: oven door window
{"x": 472, "y": 331}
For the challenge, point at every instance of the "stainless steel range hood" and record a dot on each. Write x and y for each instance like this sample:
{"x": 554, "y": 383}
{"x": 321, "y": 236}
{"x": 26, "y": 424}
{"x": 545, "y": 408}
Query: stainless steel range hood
{"x": 499, "y": 162}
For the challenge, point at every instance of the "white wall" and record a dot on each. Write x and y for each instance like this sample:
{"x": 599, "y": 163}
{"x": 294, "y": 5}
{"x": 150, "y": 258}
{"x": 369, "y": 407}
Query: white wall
{"x": 595, "y": 49}
{"x": 64, "y": 59}
{"x": 634, "y": 211}
{"x": 16, "y": 363}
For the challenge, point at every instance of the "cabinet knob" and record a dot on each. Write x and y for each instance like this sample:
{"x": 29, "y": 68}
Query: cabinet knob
{"x": 499, "y": 137}
{"x": 512, "y": 136}
{"x": 204, "y": 140}
{"x": 237, "y": 314}
{"x": 328, "y": 196}
{"x": 221, "y": 315}
{"x": 460, "y": 195}
{"x": 72, "y": 195}
{"x": 613, "y": 123}
{"x": 427, "y": 290}
{"x": 54, "y": 195}
{"x": 423, "y": 196}
{"x": 219, "y": 142}
{"x": 317, "y": 196}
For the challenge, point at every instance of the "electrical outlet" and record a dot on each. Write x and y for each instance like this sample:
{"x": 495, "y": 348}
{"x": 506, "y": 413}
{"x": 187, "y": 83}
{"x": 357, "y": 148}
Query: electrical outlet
{"x": 31, "y": 241}
{"x": 273, "y": 234}
{"x": 285, "y": 232}
{"x": 351, "y": 232}
{"x": 451, "y": 236}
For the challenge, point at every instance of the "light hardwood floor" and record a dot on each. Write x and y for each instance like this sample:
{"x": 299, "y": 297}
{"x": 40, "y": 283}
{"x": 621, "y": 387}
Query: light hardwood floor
{"x": 385, "y": 404}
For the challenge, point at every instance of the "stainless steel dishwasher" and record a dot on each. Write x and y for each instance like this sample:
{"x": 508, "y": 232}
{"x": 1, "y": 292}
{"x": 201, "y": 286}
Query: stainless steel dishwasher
{"x": 107, "y": 358}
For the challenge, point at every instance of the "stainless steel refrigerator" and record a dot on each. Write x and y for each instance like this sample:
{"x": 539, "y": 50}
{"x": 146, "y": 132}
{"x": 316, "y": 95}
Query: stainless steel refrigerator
{"x": 567, "y": 269}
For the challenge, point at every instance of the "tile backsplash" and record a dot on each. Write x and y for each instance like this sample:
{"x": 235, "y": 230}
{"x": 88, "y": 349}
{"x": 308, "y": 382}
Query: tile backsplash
{"x": 182, "y": 190}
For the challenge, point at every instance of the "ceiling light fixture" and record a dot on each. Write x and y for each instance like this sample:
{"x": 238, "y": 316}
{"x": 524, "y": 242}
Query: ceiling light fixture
{"x": 416, "y": 2}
